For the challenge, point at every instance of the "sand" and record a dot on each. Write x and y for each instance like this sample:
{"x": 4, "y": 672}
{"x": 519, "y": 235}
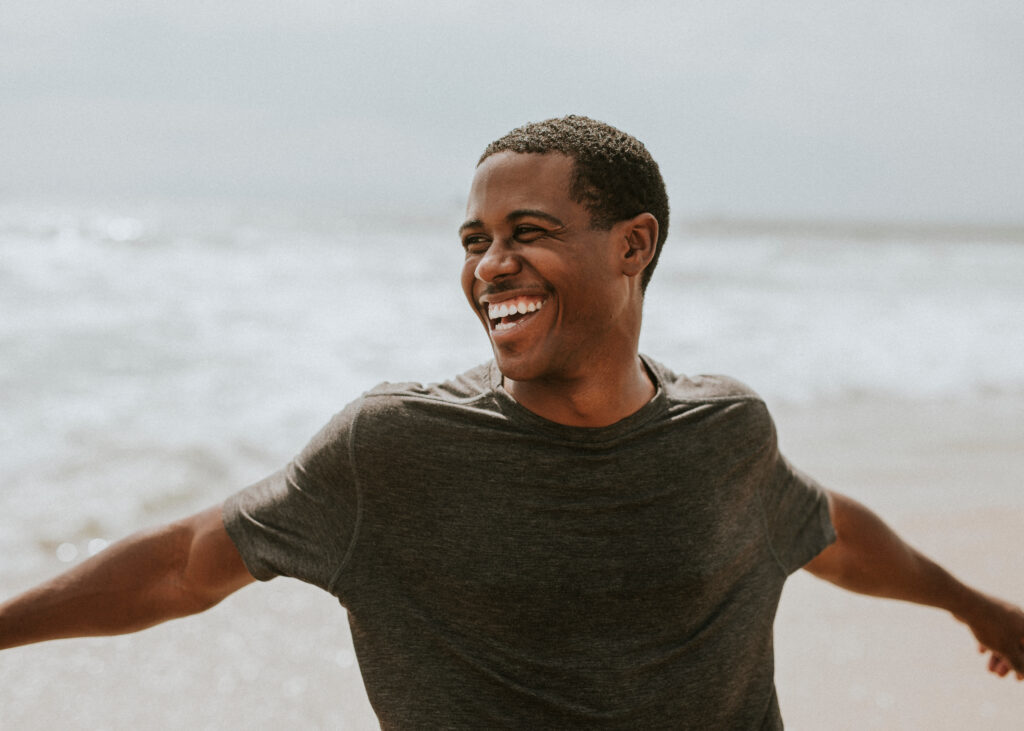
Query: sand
{"x": 948, "y": 478}
{"x": 279, "y": 655}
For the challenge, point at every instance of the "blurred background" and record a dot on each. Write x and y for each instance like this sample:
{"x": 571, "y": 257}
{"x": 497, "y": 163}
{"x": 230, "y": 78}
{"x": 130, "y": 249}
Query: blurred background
{"x": 906, "y": 111}
{"x": 219, "y": 223}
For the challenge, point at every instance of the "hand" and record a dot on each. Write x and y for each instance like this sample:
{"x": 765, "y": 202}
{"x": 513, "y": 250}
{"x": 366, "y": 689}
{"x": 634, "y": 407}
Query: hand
{"x": 998, "y": 664}
{"x": 999, "y": 629}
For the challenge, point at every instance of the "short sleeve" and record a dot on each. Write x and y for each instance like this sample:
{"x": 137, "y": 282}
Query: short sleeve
{"x": 796, "y": 513}
{"x": 300, "y": 521}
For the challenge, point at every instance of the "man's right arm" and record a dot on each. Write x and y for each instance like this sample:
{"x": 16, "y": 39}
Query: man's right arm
{"x": 150, "y": 577}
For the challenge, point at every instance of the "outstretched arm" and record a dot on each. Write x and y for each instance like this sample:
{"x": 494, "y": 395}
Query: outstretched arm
{"x": 868, "y": 557}
{"x": 152, "y": 576}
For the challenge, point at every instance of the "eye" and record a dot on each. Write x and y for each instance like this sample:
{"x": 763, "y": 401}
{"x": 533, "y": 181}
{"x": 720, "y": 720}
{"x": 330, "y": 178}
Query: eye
{"x": 475, "y": 243}
{"x": 526, "y": 233}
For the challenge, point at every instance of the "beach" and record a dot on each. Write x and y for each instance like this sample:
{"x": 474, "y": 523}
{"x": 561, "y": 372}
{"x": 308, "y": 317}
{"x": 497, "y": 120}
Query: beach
{"x": 153, "y": 363}
{"x": 946, "y": 477}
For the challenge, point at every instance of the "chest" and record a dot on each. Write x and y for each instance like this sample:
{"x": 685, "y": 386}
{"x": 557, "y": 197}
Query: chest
{"x": 526, "y": 534}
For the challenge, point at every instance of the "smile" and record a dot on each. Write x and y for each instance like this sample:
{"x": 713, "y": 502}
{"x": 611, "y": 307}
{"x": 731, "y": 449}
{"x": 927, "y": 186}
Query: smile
{"x": 506, "y": 315}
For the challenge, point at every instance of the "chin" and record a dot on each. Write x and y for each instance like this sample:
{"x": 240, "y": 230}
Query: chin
{"x": 516, "y": 368}
{"x": 522, "y": 367}
{"x": 513, "y": 371}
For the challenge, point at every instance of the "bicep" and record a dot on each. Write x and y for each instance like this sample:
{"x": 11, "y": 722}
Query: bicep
{"x": 215, "y": 568}
{"x": 865, "y": 551}
{"x": 828, "y": 564}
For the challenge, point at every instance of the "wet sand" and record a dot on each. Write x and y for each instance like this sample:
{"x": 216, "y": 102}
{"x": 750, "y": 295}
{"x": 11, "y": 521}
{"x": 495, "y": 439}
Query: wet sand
{"x": 278, "y": 655}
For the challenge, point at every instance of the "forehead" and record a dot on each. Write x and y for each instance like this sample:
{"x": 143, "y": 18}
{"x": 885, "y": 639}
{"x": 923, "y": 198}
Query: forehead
{"x": 512, "y": 180}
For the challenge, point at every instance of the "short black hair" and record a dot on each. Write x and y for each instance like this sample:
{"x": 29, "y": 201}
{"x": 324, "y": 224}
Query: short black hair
{"x": 614, "y": 175}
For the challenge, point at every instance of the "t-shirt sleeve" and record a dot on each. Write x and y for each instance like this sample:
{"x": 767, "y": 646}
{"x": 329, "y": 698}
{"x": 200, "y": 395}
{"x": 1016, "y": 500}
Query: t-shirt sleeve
{"x": 300, "y": 521}
{"x": 796, "y": 512}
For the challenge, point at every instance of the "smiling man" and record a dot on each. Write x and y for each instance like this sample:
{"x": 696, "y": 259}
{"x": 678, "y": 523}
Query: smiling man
{"x": 569, "y": 536}
{"x": 561, "y": 298}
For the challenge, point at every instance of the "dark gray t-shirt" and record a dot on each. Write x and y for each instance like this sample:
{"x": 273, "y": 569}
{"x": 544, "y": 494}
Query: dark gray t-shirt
{"x": 501, "y": 570}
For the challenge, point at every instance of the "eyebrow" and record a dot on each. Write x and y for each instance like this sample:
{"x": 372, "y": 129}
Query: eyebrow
{"x": 514, "y": 216}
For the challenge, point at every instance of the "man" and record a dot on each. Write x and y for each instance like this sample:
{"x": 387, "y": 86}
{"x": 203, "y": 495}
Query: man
{"x": 569, "y": 536}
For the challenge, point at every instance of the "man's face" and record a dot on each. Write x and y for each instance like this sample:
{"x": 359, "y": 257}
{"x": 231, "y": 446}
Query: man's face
{"x": 545, "y": 284}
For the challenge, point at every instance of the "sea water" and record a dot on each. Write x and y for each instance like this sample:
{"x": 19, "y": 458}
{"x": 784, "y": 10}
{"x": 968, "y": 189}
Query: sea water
{"x": 155, "y": 359}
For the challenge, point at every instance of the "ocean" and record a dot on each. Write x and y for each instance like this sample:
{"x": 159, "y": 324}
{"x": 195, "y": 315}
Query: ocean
{"x": 155, "y": 359}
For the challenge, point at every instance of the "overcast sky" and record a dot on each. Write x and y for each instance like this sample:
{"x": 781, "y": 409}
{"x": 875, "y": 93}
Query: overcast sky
{"x": 870, "y": 109}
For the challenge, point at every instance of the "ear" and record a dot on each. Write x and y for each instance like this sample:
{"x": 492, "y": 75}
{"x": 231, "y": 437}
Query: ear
{"x": 639, "y": 243}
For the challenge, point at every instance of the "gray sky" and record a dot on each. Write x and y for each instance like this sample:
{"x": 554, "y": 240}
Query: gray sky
{"x": 870, "y": 109}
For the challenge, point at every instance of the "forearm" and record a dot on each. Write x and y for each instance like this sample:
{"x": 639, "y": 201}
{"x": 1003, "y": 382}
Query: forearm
{"x": 143, "y": 580}
{"x": 870, "y": 558}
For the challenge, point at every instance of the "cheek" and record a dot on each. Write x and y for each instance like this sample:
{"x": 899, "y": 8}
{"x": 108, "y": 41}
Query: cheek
{"x": 468, "y": 280}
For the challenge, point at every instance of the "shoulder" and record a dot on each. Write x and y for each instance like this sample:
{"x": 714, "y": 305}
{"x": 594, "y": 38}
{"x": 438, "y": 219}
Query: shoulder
{"x": 715, "y": 399}
{"x": 399, "y": 408}
{"x": 465, "y": 387}
{"x": 408, "y": 403}
{"x": 703, "y": 387}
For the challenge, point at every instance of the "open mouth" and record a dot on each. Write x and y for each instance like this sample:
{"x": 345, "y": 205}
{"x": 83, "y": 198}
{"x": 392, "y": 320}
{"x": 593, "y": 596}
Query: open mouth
{"x": 508, "y": 314}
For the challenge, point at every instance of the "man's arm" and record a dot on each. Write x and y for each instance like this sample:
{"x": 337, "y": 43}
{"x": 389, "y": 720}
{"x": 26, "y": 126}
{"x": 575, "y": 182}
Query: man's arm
{"x": 152, "y": 576}
{"x": 868, "y": 557}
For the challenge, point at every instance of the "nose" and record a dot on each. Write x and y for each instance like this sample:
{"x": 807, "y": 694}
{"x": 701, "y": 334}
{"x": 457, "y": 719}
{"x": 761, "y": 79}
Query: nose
{"x": 498, "y": 261}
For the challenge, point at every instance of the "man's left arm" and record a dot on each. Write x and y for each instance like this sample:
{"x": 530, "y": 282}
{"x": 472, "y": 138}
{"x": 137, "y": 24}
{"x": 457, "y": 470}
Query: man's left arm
{"x": 868, "y": 557}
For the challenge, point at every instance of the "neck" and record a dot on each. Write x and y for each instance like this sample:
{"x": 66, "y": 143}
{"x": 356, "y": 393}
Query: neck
{"x": 599, "y": 398}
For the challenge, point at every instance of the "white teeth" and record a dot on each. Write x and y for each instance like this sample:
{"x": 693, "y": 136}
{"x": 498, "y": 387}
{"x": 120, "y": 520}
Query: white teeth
{"x": 505, "y": 309}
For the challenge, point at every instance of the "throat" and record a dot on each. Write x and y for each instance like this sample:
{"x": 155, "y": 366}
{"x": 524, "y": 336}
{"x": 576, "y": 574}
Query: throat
{"x": 589, "y": 403}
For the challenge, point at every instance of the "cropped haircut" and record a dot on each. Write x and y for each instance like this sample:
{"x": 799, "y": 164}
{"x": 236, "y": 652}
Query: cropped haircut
{"x": 614, "y": 176}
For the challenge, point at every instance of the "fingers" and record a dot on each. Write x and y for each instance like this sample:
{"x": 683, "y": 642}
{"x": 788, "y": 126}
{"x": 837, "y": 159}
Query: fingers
{"x": 998, "y": 665}
{"x": 1015, "y": 660}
